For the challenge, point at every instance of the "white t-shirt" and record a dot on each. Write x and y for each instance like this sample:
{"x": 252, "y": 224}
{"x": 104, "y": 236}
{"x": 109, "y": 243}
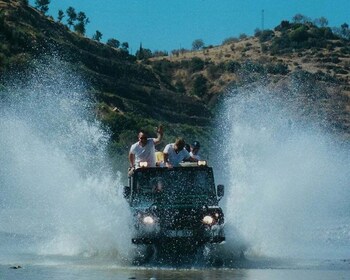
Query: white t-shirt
{"x": 197, "y": 157}
{"x": 173, "y": 157}
{"x": 146, "y": 153}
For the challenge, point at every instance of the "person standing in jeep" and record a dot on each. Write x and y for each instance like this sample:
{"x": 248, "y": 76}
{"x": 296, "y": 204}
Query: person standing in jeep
{"x": 175, "y": 153}
{"x": 144, "y": 149}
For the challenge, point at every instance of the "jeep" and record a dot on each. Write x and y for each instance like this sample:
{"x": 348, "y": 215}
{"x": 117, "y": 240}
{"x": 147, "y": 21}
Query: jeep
{"x": 179, "y": 204}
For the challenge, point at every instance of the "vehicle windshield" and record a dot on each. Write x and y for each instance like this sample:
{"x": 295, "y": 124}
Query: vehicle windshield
{"x": 174, "y": 186}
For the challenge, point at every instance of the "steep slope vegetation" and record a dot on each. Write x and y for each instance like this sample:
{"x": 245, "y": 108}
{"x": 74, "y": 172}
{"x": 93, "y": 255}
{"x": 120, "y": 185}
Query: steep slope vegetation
{"x": 129, "y": 94}
{"x": 182, "y": 90}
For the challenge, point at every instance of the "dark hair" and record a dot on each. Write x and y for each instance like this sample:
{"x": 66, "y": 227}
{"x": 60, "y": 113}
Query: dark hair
{"x": 180, "y": 143}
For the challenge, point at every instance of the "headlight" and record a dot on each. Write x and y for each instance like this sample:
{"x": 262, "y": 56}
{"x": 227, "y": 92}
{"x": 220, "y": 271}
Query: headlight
{"x": 143, "y": 163}
{"x": 208, "y": 220}
{"x": 148, "y": 220}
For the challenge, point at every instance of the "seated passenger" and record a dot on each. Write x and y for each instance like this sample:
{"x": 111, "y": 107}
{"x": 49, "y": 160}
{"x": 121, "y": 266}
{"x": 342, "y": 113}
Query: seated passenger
{"x": 194, "y": 153}
{"x": 144, "y": 149}
{"x": 159, "y": 159}
{"x": 175, "y": 153}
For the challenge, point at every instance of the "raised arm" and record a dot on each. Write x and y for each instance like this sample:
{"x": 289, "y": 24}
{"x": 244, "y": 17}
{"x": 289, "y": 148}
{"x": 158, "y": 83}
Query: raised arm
{"x": 159, "y": 135}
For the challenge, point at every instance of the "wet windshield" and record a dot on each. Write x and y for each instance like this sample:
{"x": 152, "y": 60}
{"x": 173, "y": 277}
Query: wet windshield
{"x": 183, "y": 185}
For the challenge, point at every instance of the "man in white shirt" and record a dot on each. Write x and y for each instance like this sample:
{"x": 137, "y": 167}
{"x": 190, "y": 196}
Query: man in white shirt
{"x": 175, "y": 153}
{"x": 144, "y": 149}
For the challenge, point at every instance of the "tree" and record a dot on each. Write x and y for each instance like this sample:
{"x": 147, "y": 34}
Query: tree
{"x": 60, "y": 15}
{"x": 114, "y": 43}
{"x": 322, "y": 22}
{"x": 345, "y": 31}
{"x": 157, "y": 53}
{"x": 344, "y": 26}
{"x": 82, "y": 21}
{"x": 125, "y": 46}
{"x": 197, "y": 44}
{"x": 42, "y": 5}
{"x": 97, "y": 36}
{"x": 299, "y": 18}
{"x": 80, "y": 28}
{"x": 72, "y": 16}
{"x": 143, "y": 53}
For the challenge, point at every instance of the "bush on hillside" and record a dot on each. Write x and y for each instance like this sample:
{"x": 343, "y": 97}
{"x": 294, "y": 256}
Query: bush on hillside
{"x": 283, "y": 26}
{"x": 266, "y": 35}
{"x": 251, "y": 66}
{"x": 199, "y": 87}
{"x": 232, "y": 66}
{"x": 215, "y": 70}
{"x": 180, "y": 87}
{"x": 278, "y": 68}
{"x": 301, "y": 36}
{"x": 196, "y": 64}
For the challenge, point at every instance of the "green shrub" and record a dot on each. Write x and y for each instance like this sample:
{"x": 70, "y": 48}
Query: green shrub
{"x": 284, "y": 26}
{"x": 199, "y": 86}
{"x": 214, "y": 71}
{"x": 180, "y": 87}
{"x": 232, "y": 66}
{"x": 279, "y": 68}
{"x": 196, "y": 64}
{"x": 266, "y": 35}
{"x": 253, "y": 66}
{"x": 299, "y": 35}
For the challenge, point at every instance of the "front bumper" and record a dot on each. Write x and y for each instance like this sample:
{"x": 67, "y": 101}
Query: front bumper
{"x": 203, "y": 236}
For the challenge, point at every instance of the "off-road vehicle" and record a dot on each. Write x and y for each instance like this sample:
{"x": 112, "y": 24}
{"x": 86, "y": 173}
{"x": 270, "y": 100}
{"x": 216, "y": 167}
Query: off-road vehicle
{"x": 177, "y": 205}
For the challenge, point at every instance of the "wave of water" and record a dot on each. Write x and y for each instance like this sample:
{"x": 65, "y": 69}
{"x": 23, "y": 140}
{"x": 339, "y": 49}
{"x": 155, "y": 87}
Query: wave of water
{"x": 58, "y": 194}
{"x": 287, "y": 178}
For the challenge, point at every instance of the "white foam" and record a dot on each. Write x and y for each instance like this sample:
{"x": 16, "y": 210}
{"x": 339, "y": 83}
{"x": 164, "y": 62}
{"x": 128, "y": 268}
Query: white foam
{"x": 57, "y": 187}
{"x": 288, "y": 178}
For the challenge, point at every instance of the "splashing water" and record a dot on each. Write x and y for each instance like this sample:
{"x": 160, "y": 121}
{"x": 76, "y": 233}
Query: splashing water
{"x": 58, "y": 195}
{"x": 288, "y": 187}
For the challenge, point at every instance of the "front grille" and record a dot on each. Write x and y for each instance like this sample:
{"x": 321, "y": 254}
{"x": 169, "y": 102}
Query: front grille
{"x": 175, "y": 219}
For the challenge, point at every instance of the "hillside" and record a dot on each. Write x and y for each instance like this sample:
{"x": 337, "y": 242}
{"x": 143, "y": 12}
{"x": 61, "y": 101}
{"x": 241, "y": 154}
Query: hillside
{"x": 313, "y": 57}
{"x": 182, "y": 90}
{"x": 130, "y": 94}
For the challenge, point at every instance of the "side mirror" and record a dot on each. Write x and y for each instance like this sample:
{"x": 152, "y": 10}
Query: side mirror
{"x": 220, "y": 191}
{"x": 126, "y": 192}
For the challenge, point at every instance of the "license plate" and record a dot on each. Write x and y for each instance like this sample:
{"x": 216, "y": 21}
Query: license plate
{"x": 179, "y": 233}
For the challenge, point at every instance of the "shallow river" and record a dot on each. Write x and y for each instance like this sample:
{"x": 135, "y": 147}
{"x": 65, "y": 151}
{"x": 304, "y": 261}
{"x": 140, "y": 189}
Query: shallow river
{"x": 32, "y": 267}
{"x": 114, "y": 272}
